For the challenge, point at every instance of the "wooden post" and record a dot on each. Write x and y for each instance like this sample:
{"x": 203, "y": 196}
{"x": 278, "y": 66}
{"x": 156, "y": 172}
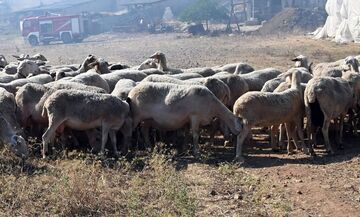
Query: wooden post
{"x": 232, "y": 17}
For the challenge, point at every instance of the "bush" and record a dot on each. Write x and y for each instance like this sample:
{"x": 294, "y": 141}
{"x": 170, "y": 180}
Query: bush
{"x": 204, "y": 10}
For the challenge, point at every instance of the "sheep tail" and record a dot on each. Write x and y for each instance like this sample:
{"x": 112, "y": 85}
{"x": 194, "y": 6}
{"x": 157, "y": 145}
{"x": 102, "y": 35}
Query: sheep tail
{"x": 312, "y": 95}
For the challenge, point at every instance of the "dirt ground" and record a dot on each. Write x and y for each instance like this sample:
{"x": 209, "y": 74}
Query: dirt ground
{"x": 268, "y": 184}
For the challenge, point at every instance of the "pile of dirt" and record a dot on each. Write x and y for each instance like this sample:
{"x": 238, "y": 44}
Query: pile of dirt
{"x": 294, "y": 20}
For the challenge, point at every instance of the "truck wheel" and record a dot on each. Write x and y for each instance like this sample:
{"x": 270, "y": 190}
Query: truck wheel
{"x": 33, "y": 40}
{"x": 66, "y": 38}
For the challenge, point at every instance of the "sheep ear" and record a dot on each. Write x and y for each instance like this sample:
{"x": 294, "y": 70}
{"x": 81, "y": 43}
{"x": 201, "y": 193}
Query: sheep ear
{"x": 295, "y": 59}
{"x": 16, "y": 56}
{"x": 311, "y": 67}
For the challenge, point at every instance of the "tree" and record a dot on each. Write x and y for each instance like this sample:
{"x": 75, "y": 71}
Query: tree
{"x": 204, "y": 10}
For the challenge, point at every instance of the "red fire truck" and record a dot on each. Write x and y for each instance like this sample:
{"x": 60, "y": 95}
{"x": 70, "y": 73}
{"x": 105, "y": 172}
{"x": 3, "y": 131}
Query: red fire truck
{"x": 45, "y": 29}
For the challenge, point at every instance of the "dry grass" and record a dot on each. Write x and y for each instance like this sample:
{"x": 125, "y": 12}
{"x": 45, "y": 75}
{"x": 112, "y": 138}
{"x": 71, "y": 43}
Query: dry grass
{"x": 86, "y": 185}
{"x": 94, "y": 187}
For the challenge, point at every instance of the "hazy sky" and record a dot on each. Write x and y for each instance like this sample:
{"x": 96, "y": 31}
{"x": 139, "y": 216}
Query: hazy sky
{"x": 21, "y": 4}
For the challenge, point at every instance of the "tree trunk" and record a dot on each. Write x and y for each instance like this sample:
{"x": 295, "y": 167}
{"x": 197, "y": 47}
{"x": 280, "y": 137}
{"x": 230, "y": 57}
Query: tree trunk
{"x": 207, "y": 25}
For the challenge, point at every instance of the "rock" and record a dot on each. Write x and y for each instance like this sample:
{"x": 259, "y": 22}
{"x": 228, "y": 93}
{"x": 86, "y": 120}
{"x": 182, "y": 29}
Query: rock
{"x": 348, "y": 186}
{"x": 213, "y": 193}
{"x": 299, "y": 192}
{"x": 238, "y": 197}
{"x": 326, "y": 186}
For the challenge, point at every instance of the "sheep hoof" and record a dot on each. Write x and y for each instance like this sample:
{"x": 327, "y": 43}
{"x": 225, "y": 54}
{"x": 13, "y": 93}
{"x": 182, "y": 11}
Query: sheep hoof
{"x": 227, "y": 144}
{"x": 116, "y": 154}
{"x": 306, "y": 151}
{"x": 276, "y": 150}
{"x": 239, "y": 159}
{"x": 291, "y": 153}
{"x": 197, "y": 155}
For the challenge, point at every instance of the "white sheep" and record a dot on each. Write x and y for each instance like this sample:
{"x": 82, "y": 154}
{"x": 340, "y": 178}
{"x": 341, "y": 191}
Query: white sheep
{"x": 70, "y": 108}
{"x": 170, "y": 107}
{"x": 266, "y": 109}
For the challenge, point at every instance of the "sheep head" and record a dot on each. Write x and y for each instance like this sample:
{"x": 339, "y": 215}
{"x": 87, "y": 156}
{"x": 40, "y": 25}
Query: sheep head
{"x": 15, "y": 143}
{"x": 19, "y": 147}
{"x": 352, "y": 63}
{"x": 3, "y": 61}
{"x": 84, "y": 67}
{"x": 301, "y": 61}
{"x": 27, "y": 67}
{"x": 40, "y": 57}
{"x": 101, "y": 66}
{"x": 148, "y": 64}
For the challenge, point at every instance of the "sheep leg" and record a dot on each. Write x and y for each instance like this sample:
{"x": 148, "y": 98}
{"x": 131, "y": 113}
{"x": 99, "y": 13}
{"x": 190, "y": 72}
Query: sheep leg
{"x": 49, "y": 134}
{"x": 341, "y": 129}
{"x": 92, "y": 135}
{"x": 325, "y": 131}
{"x": 104, "y": 137}
{"x": 145, "y": 132}
{"x": 112, "y": 134}
{"x": 300, "y": 134}
{"x": 290, "y": 134}
{"x": 213, "y": 128}
{"x": 239, "y": 143}
{"x": 273, "y": 136}
{"x": 282, "y": 132}
{"x": 195, "y": 133}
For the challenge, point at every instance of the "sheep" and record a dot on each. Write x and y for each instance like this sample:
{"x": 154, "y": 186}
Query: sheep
{"x": 29, "y": 67}
{"x": 215, "y": 85}
{"x": 170, "y": 106}
{"x": 257, "y": 79}
{"x": 186, "y": 76}
{"x": 91, "y": 79}
{"x": 264, "y": 109}
{"x": 234, "y": 68}
{"x": 70, "y": 108}
{"x": 13, "y": 86}
{"x": 113, "y": 77}
{"x": 123, "y": 88}
{"x": 272, "y": 84}
{"x": 99, "y": 66}
{"x": 8, "y": 107}
{"x": 202, "y": 71}
{"x": 302, "y": 61}
{"x": 3, "y": 62}
{"x": 8, "y": 138}
{"x": 118, "y": 66}
{"x": 147, "y": 64}
{"x": 153, "y": 72}
{"x": 10, "y": 69}
{"x": 84, "y": 67}
{"x": 35, "y": 57}
{"x": 236, "y": 84}
{"x": 162, "y": 63}
{"x": 336, "y": 69}
{"x": 30, "y": 99}
{"x": 275, "y": 128}
{"x": 25, "y": 69}
{"x": 326, "y": 98}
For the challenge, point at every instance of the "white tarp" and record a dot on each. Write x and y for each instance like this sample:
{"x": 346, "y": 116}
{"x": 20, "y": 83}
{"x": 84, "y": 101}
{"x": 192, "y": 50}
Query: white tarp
{"x": 343, "y": 22}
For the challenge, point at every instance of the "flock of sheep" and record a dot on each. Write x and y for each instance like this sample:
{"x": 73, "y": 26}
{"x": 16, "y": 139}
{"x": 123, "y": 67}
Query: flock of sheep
{"x": 128, "y": 104}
